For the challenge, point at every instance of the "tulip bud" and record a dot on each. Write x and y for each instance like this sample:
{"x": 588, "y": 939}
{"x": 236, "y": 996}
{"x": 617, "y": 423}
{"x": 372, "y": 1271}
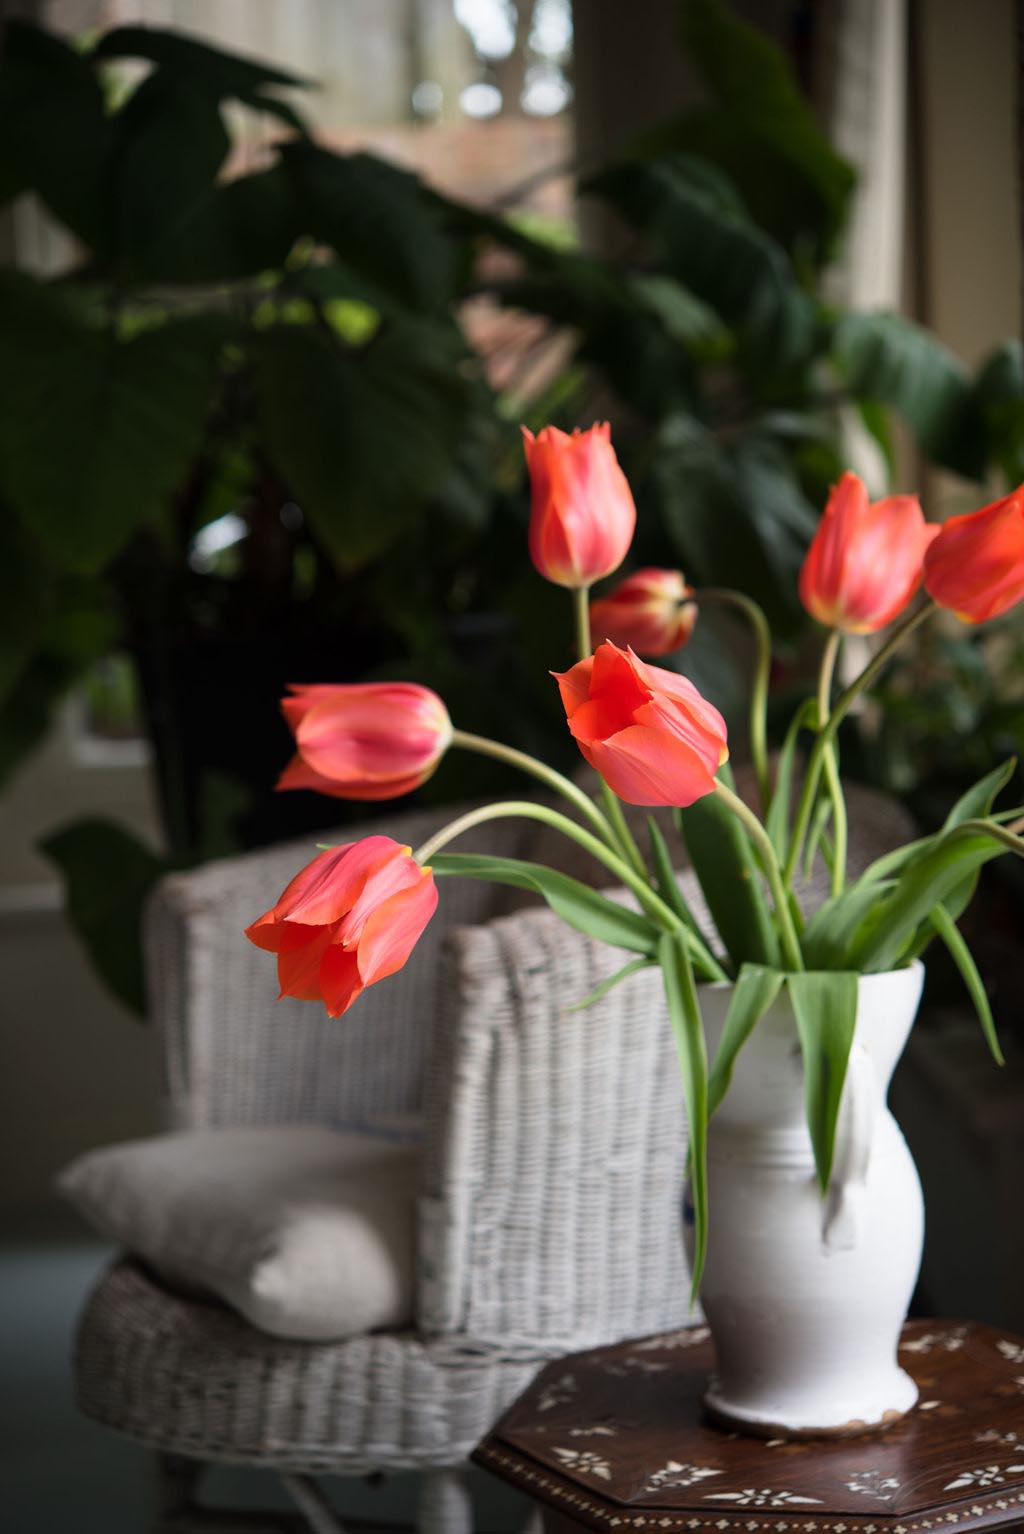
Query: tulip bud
{"x": 647, "y": 731}
{"x": 651, "y": 611}
{"x": 365, "y": 740}
{"x": 865, "y": 561}
{"x": 581, "y": 514}
{"x": 975, "y": 567}
{"x": 350, "y": 918}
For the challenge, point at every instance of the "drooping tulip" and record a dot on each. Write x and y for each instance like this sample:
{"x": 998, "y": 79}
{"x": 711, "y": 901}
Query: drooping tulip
{"x": 975, "y": 567}
{"x": 364, "y": 740}
{"x": 647, "y": 731}
{"x": 865, "y": 561}
{"x": 581, "y": 509}
{"x": 652, "y": 612}
{"x": 351, "y": 917}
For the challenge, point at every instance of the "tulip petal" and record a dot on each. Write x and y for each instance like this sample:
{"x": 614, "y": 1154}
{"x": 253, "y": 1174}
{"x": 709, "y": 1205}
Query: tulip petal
{"x": 975, "y": 567}
{"x": 339, "y": 979}
{"x": 392, "y": 931}
{"x": 327, "y": 888}
{"x": 298, "y": 971}
{"x": 275, "y": 936}
{"x": 647, "y": 766}
{"x": 371, "y": 734}
{"x": 397, "y": 872}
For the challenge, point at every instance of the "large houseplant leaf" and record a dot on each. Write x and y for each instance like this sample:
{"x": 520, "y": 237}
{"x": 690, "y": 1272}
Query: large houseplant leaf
{"x": 96, "y": 432}
{"x": 825, "y": 1008}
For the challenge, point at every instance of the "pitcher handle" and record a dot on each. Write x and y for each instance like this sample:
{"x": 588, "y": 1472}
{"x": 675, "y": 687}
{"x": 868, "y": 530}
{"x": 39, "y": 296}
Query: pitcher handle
{"x": 856, "y": 1132}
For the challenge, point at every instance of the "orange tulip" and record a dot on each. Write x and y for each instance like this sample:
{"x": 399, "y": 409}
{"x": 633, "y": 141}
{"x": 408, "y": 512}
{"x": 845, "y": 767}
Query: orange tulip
{"x": 865, "y": 561}
{"x": 365, "y": 740}
{"x": 651, "y": 611}
{"x": 975, "y": 567}
{"x": 350, "y": 918}
{"x": 581, "y": 514}
{"x": 647, "y": 731}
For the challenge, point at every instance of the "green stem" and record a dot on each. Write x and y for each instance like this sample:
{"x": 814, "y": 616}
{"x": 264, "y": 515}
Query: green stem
{"x": 612, "y": 804}
{"x": 842, "y": 707}
{"x": 651, "y": 902}
{"x": 540, "y": 770}
{"x": 759, "y": 836}
{"x": 754, "y": 614}
{"x": 831, "y": 762}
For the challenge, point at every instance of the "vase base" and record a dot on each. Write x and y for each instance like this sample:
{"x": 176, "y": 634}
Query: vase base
{"x": 755, "y": 1426}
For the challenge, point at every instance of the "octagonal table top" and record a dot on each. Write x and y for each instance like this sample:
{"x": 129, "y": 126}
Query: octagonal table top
{"x": 616, "y": 1438}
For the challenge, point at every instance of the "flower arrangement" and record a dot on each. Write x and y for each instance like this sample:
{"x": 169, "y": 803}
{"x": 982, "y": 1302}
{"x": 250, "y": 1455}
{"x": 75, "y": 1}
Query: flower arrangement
{"x": 354, "y": 914}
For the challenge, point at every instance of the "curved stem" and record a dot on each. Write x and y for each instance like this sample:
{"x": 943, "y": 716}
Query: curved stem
{"x": 581, "y": 621}
{"x": 651, "y": 902}
{"x": 831, "y": 762}
{"x": 842, "y": 707}
{"x": 759, "y": 836}
{"x": 545, "y": 774}
{"x": 754, "y": 615}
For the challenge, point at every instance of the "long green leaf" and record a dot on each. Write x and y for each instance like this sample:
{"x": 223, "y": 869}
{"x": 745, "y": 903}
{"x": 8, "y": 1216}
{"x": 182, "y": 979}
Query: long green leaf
{"x": 668, "y": 889}
{"x": 974, "y": 804}
{"x": 830, "y": 932}
{"x": 602, "y": 990}
{"x": 780, "y": 808}
{"x": 961, "y": 955}
{"x": 755, "y": 990}
{"x": 825, "y": 1008}
{"x": 729, "y": 876}
{"x": 581, "y": 907}
{"x": 684, "y": 1015}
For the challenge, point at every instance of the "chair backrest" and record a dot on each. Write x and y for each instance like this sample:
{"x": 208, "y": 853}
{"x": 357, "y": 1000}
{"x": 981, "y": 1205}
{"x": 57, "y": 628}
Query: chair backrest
{"x": 233, "y": 1053}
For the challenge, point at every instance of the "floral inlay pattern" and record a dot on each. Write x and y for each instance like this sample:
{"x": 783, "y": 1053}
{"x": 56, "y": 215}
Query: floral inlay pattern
{"x": 585, "y": 1462}
{"x": 559, "y": 1393}
{"x": 763, "y": 1497}
{"x": 625, "y": 1366}
{"x": 675, "y": 1474}
{"x": 949, "y": 1342}
{"x": 874, "y": 1483}
{"x": 993, "y": 1435}
{"x": 1012, "y": 1351}
{"x": 984, "y": 1475}
{"x": 600, "y": 1431}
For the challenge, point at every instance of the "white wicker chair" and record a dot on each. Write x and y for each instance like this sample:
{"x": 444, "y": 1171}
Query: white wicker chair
{"x": 553, "y": 1155}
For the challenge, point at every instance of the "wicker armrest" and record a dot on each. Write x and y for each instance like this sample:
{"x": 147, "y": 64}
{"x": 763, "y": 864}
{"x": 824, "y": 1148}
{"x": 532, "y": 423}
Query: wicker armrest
{"x": 556, "y": 1143}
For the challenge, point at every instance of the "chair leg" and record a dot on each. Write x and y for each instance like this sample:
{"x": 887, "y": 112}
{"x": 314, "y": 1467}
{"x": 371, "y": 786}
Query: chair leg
{"x": 534, "y": 1523}
{"x": 177, "y": 1478}
{"x": 445, "y": 1506}
{"x": 312, "y": 1504}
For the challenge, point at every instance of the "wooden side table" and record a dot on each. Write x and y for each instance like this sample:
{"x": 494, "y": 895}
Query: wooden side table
{"x": 615, "y": 1439}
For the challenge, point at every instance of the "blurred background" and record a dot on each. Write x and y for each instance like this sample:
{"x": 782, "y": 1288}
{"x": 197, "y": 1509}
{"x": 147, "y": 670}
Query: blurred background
{"x": 279, "y": 281}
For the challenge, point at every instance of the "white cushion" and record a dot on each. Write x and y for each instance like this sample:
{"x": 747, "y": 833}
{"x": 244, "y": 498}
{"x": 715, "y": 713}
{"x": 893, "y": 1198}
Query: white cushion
{"x": 308, "y": 1232}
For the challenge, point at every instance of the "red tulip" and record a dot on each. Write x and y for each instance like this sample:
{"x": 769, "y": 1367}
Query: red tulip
{"x": 582, "y": 514}
{"x": 651, "y": 611}
{"x": 865, "y": 561}
{"x": 350, "y": 918}
{"x": 975, "y": 567}
{"x": 365, "y": 740}
{"x": 647, "y": 731}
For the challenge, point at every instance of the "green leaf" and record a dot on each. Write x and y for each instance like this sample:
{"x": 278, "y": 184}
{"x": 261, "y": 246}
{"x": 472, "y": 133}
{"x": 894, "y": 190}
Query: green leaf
{"x": 998, "y": 393}
{"x": 780, "y": 809}
{"x": 830, "y": 932}
{"x": 886, "y": 358}
{"x": 578, "y": 905}
{"x": 684, "y": 1015}
{"x": 55, "y": 132}
{"x": 226, "y": 73}
{"x": 668, "y": 889}
{"x": 825, "y": 1008}
{"x": 978, "y": 800}
{"x": 964, "y": 960}
{"x": 363, "y": 437}
{"x": 169, "y": 145}
{"x": 96, "y": 433}
{"x": 236, "y": 229}
{"x": 378, "y": 221}
{"x": 107, "y": 875}
{"x": 761, "y": 130}
{"x": 602, "y": 990}
{"x": 729, "y": 876}
{"x": 755, "y": 990}
{"x": 692, "y": 221}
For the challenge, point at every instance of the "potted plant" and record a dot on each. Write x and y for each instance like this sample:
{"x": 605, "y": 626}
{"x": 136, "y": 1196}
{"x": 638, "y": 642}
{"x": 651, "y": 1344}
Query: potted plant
{"x": 804, "y": 1210}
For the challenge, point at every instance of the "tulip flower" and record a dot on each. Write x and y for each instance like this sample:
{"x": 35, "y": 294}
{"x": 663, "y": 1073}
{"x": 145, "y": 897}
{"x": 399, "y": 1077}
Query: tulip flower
{"x": 582, "y": 514}
{"x": 647, "y": 731}
{"x": 975, "y": 567}
{"x": 865, "y": 561}
{"x": 651, "y": 611}
{"x": 350, "y": 918}
{"x": 365, "y": 740}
